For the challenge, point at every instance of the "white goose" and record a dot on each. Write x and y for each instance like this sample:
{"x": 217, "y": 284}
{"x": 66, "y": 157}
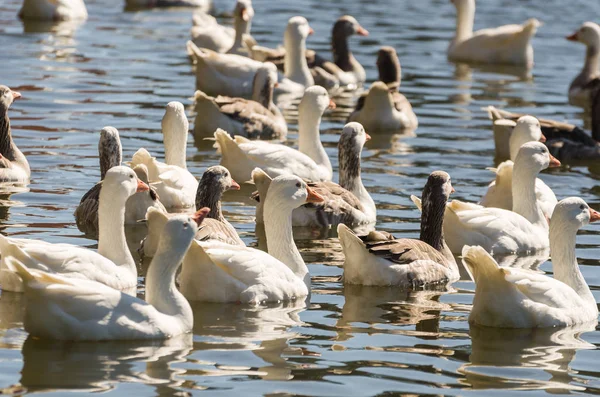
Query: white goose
{"x": 257, "y": 118}
{"x": 218, "y": 272}
{"x": 500, "y": 231}
{"x": 518, "y": 298}
{"x": 207, "y": 33}
{"x": 14, "y": 166}
{"x": 175, "y": 185}
{"x": 508, "y": 44}
{"x": 112, "y": 265}
{"x": 380, "y": 260}
{"x": 53, "y": 10}
{"x": 499, "y": 193}
{"x": 240, "y": 155}
{"x": 215, "y": 181}
{"x": 349, "y": 202}
{"x": 581, "y": 87}
{"x": 61, "y": 308}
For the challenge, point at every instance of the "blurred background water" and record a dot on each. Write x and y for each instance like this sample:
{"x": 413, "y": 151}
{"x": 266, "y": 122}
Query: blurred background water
{"x": 121, "y": 68}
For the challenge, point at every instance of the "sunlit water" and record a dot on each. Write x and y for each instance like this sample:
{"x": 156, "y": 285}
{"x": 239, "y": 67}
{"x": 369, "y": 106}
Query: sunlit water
{"x": 121, "y": 68}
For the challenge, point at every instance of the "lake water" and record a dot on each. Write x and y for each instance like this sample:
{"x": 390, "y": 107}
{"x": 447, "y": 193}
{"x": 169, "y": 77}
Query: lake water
{"x": 121, "y": 68}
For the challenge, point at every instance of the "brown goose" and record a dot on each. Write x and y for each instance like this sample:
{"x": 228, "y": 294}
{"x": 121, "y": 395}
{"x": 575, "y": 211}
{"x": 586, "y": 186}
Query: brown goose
{"x": 258, "y": 118}
{"x": 13, "y": 164}
{"x": 379, "y": 259}
{"x": 215, "y": 181}
{"x": 348, "y": 203}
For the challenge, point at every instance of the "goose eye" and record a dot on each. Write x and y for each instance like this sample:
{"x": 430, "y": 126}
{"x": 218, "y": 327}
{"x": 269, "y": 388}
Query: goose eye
{"x": 582, "y": 207}
{"x": 298, "y": 184}
{"x": 131, "y": 176}
{"x": 185, "y": 225}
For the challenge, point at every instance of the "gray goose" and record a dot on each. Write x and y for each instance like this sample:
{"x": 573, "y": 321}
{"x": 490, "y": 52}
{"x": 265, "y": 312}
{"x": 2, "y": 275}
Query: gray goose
{"x": 13, "y": 164}
{"x": 215, "y": 181}
{"x": 346, "y": 203}
{"x": 378, "y": 259}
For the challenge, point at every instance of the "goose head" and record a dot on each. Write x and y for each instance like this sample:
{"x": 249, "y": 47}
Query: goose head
{"x": 243, "y": 14}
{"x": 572, "y": 213}
{"x": 438, "y": 184}
{"x": 435, "y": 195}
{"x": 109, "y": 150}
{"x": 265, "y": 80}
{"x": 352, "y": 141}
{"x": 175, "y": 127}
{"x": 347, "y": 26}
{"x": 218, "y": 179}
{"x": 588, "y": 34}
{"x": 526, "y": 130}
{"x": 7, "y": 97}
{"x": 315, "y": 101}
{"x": 297, "y": 29}
{"x": 120, "y": 183}
{"x": 179, "y": 231}
{"x": 534, "y": 156}
{"x": 289, "y": 192}
{"x": 388, "y": 66}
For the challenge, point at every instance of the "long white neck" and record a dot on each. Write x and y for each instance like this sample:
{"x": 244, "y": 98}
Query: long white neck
{"x": 524, "y": 198}
{"x": 161, "y": 291}
{"x": 111, "y": 231}
{"x": 241, "y": 28}
{"x": 295, "y": 66}
{"x": 280, "y": 239}
{"x": 590, "y": 67}
{"x": 564, "y": 261}
{"x": 309, "y": 138}
{"x": 175, "y": 144}
{"x": 465, "y": 15}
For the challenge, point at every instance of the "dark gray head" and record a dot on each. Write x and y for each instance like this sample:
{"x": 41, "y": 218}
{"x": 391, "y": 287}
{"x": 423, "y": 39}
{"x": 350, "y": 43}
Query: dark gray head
{"x": 388, "y": 66}
{"x": 215, "y": 181}
{"x": 110, "y": 152}
{"x": 347, "y": 26}
{"x": 435, "y": 195}
{"x": 7, "y": 97}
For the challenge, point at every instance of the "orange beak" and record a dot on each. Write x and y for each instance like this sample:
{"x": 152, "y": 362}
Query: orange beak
{"x": 331, "y": 104}
{"x": 16, "y": 95}
{"x": 594, "y": 215}
{"x": 362, "y": 31}
{"x": 311, "y": 31}
{"x": 553, "y": 162}
{"x": 572, "y": 37}
{"x": 313, "y": 197}
{"x": 142, "y": 187}
{"x": 234, "y": 185}
{"x": 367, "y": 137}
{"x": 452, "y": 190}
{"x": 199, "y": 215}
{"x": 543, "y": 138}
{"x": 245, "y": 15}
{"x": 276, "y": 84}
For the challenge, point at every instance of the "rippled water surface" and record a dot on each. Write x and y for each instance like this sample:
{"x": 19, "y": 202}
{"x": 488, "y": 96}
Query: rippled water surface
{"x": 121, "y": 68}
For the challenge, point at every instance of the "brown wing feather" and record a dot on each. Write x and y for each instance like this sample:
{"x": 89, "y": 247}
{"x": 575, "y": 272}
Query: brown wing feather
{"x": 405, "y": 251}
{"x": 213, "y": 229}
{"x": 258, "y": 121}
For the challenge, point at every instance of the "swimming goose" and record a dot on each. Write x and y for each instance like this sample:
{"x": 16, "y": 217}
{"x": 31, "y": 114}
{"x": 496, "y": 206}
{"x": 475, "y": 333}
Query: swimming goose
{"x": 53, "y": 10}
{"x": 390, "y": 73}
{"x": 216, "y": 272}
{"x": 518, "y": 298}
{"x": 61, "y": 308}
{"x": 379, "y": 259}
{"x": 174, "y": 184}
{"x": 499, "y": 193}
{"x": 208, "y": 33}
{"x": 215, "y": 181}
{"x": 508, "y": 44}
{"x": 240, "y": 155}
{"x": 110, "y": 154}
{"x": 583, "y": 83}
{"x": 112, "y": 265}
{"x": 258, "y": 118}
{"x": 501, "y": 231}
{"x": 200, "y": 5}
{"x": 348, "y": 203}
{"x": 13, "y": 164}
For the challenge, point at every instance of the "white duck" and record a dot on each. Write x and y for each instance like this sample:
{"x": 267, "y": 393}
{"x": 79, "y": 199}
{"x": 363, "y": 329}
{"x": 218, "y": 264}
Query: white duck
{"x": 508, "y": 44}
{"x": 384, "y": 111}
{"x": 518, "y": 298}
{"x": 53, "y": 10}
{"x": 349, "y": 202}
{"x": 175, "y": 185}
{"x": 61, "y": 308}
{"x": 217, "y": 272}
{"x": 110, "y": 154}
{"x": 380, "y": 260}
{"x": 215, "y": 181}
{"x": 13, "y": 164}
{"x": 208, "y": 33}
{"x": 499, "y": 193}
{"x": 500, "y": 231}
{"x": 112, "y": 265}
{"x": 258, "y": 118}
{"x": 240, "y": 155}
{"x": 581, "y": 87}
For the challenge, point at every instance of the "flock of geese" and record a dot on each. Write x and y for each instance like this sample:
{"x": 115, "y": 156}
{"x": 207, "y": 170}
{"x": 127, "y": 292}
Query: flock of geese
{"x": 75, "y": 293}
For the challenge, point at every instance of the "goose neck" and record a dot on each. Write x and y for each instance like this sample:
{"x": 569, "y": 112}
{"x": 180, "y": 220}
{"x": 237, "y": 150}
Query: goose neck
{"x": 309, "y": 137}
{"x": 111, "y": 231}
{"x": 523, "y": 195}
{"x": 342, "y": 56}
{"x": 432, "y": 219}
{"x": 350, "y": 179}
{"x": 564, "y": 260}
{"x": 590, "y": 67}
{"x": 211, "y": 198}
{"x": 280, "y": 240}
{"x": 465, "y": 16}
{"x": 175, "y": 147}
{"x": 8, "y": 149}
{"x": 295, "y": 66}
{"x": 241, "y": 28}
